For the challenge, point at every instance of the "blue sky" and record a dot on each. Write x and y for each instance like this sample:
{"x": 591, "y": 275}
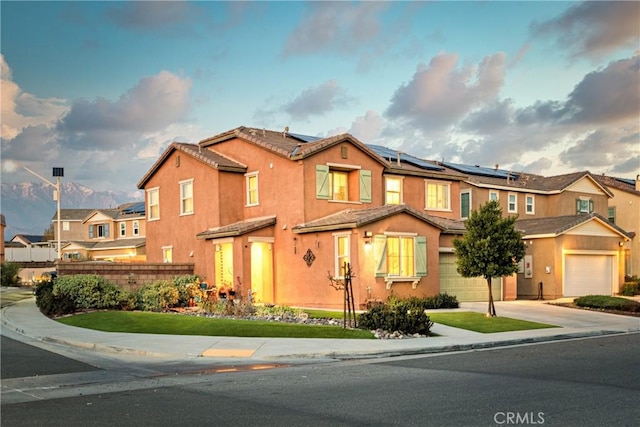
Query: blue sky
{"x": 102, "y": 88}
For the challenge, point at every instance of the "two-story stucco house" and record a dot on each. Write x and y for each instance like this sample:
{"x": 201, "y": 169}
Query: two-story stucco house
{"x": 572, "y": 249}
{"x": 103, "y": 234}
{"x": 276, "y": 214}
{"x": 624, "y": 211}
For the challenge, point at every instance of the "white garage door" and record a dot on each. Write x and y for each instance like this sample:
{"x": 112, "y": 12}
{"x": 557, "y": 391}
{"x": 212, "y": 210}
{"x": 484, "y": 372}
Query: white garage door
{"x": 588, "y": 275}
{"x": 470, "y": 289}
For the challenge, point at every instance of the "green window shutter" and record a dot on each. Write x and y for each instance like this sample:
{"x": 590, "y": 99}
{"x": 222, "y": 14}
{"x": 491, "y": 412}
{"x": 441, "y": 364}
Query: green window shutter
{"x": 106, "y": 230}
{"x": 590, "y": 206}
{"x": 91, "y": 231}
{"x": 365, "y": 186}
{"x": 577, "y": 206}
{"x": 464, "y": 205}
{"x": 421, "y": 255}
{"x": 380, "y": 247}
{"x": 322, "y": 182}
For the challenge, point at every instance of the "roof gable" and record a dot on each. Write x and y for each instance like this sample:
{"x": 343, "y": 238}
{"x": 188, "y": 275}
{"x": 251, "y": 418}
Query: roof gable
{"x": 210, "y": 158}
{"x": 354, "y": 218}
{"x": 585, "y": 224}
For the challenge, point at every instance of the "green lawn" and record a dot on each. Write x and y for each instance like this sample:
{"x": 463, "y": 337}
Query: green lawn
{"x": 478, "y": 322}
{"x": 177, "y": 324}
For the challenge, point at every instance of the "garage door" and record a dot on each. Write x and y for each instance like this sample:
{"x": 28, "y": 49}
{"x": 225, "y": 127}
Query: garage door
{"x": 588, "y": 275}
{"x": 465, "y": 289}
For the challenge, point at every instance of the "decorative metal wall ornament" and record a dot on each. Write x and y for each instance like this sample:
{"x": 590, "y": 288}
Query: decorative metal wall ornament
{"x": 309, "y": 257}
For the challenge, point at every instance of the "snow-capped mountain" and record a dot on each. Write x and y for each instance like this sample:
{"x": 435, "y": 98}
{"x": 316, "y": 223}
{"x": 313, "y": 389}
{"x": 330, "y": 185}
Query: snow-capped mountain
{"x": 28, "y": 207}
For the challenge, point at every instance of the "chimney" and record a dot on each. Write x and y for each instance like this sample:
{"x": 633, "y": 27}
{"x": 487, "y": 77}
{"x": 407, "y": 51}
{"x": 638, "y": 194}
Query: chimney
{"x": 398, "y": 158}
{"x": 638, "y": 182}
{"x": 497, "y": 166}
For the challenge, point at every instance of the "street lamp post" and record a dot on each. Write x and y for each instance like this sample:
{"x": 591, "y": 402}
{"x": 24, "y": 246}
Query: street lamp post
{"x": 58, "y": 173}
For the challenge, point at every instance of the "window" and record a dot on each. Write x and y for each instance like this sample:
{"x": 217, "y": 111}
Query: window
{"x": 513, "y": 203}
{"x": 167, "y": 254}
{"x": 493, "y": 195}
{"x": 338, "y": 186}
{"x": 186, "y": 197}
{"x": 584, "y": 205}
{"x": 65, "y": 226}
{"x": 401, "y": 256}
{"x": 136, "y": 228}
{"x": 123, "y": 229}
{"x": 343, "y": 183}
{"x": 98, "y": 231}
{"x": 530, "y": 207}
{"x": 252, "y": 188}
{"x": 393, "y": 190}
{"x": 342, "y": 245}
{"x": 465, "y": 204}
{"x": 153, "y": 199}
{"x": 611, "y": 214}
{"x": 438, "y": 195}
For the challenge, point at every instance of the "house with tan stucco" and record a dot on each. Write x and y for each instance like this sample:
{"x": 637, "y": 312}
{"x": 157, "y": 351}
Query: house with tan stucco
{"x": 572, "y": 249}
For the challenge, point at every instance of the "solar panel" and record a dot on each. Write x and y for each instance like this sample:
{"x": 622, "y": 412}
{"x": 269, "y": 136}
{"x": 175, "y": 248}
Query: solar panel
{"x": 481, "y": 170}
{"x": 136, "y": 208}
{"x": 304, "y": 138}
{"x": 392, "y": 155}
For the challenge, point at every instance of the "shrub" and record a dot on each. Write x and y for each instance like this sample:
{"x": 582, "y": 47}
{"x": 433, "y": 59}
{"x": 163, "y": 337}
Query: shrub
{"x": 399, "y": 317}
{"x": 91, "y": 291}
{"x": 50, "y": 304}
{"x": 442, "y": 300}
{"x": 9, "y": 274}
{"x": 630, "y": 289}
{"x": 188, "y": 287}
{"x": 608, "y": 303}
{"x": 157, "y": 296}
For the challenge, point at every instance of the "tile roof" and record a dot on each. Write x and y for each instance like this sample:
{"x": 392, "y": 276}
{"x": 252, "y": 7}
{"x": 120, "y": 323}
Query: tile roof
{"x": 561, "y": 224}
{"x": 111, "y": 244}
{"x": 353, "y": 218}
{"x": 208, "y": 157}
{"x": 620, "y": 184}
{"x": 525, "y": 181}
{"x": 237, "y": 228}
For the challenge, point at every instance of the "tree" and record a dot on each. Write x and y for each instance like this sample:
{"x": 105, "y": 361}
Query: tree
{"x": 491, "y": 247}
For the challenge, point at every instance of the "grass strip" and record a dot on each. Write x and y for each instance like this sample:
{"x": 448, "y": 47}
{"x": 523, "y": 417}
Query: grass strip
{"x": 178, "y": 324}
{"x": 478, "y": 322}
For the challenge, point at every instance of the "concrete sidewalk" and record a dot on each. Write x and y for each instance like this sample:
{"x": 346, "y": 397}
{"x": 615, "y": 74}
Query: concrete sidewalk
{"x": 24, "y": 318}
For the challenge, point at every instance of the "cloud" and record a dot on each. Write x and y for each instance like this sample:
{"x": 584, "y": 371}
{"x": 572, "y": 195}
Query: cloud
{"x": 606, "y": 148}
{"x": 21, "y": 109}
{"x": 594, "y": 28}
{"x": 440, "y": 94}
{"x": 368, "y": 127}
{"x": 609, "y": 95}
{"x": 154, "y": 103}
{"x": 151, "y": 15}
{"x": 317, "y": 101}
{"x": 335, "y": 26}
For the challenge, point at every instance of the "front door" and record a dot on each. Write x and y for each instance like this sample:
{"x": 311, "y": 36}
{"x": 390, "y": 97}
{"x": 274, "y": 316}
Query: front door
{"x": 262, "y": 272}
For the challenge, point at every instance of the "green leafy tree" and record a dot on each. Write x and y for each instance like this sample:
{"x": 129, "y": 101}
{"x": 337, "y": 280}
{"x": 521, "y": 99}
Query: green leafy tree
{"x": 491, "y": 247}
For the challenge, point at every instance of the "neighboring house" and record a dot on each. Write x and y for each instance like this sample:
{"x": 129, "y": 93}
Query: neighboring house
{"x": 279, "y": 214}
{"x": 104, "y": 234}
{"x": 571, "y": 247}
{"x": 624, "y": 211}
{"x": 30, "y": 248}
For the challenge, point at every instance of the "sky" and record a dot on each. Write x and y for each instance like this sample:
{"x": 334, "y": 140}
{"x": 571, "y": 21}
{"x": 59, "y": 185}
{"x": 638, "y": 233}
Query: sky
{"x": 102, "y": 88}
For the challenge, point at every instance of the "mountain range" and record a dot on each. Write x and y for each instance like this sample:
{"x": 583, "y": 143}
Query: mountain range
{"x": 29, "y": 207}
